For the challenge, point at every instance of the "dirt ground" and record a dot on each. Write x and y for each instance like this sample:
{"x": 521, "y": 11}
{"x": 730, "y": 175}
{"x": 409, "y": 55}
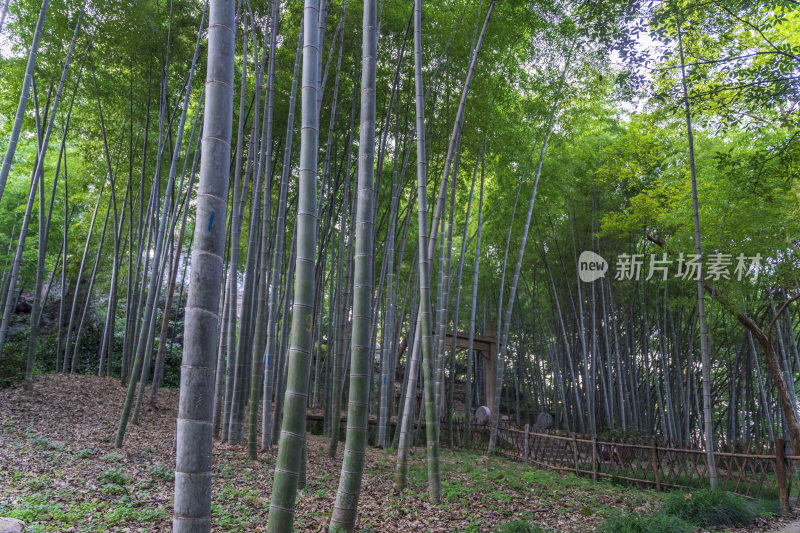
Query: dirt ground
{"x": 59, "y": 471}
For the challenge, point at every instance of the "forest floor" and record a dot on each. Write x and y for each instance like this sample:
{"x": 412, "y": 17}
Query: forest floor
{"x": 59, "y": 471}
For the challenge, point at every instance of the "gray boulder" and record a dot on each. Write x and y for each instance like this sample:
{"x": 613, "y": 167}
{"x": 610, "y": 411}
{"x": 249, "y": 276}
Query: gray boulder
{"x": 11, "y": 525}
{"x": 482, "y": 415}
{"x": 543, "y": 421}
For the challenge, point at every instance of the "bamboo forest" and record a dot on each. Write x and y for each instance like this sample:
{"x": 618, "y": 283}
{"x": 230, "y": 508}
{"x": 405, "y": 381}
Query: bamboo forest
{"x": 514, "y": 266}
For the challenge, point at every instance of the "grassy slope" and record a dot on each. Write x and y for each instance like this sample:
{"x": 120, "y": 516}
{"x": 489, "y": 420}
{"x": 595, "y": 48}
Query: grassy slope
{"x": 60, "y": 472}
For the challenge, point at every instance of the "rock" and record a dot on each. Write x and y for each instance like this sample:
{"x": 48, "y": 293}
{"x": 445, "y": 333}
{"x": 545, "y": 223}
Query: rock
{"x": 543, "y": 421}
{"x": 482, "y": 415}
{"x": 11, "y": 525}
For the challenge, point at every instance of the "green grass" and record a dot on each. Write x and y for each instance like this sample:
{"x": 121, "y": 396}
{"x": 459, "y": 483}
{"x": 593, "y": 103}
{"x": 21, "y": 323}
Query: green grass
{"x": 41, "y": 514}
{"x": 519, "y": 526}
{"x": 44, "y": 444}
{"x": 112, "y": 458}
{"x": 547, "y": 477}
{"x": 656, "y": 523}
{"x": 688, "y": 478}
{"x": 85, "y": 453}
{"x": 683, "y": 511}
{"x": 706, "y": 507}
{"x": 39, "y": 483}
{"x": 487, "y": 493}
{"x": 112, "y": 489}
{"x": 115, "y": 476}
{"x": 231, "y": 517}
{"x": 126, "y": 514}
{"x": 499, "y": 484}
{"x": 454, "y": 492}
{"x": 159, "y": 471}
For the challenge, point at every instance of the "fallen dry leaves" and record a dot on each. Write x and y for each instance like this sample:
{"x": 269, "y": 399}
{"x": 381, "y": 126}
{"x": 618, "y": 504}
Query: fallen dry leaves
{"x": 56, "y": 440}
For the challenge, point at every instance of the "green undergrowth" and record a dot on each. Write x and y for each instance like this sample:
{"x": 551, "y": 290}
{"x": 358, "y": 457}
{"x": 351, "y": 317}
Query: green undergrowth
{"x": 655, "y": 523}
{"x": 88, "y": 486}
{"x": 42, "y": 513}
{"x": 706, "y": 507}
{"x": 684, "y": 512}
{"x": 527, "y": 500}
{"x": 520, "y": 526}
{"x": 15, "y": 349}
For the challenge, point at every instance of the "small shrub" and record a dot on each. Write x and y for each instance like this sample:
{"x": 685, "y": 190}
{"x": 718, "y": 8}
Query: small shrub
{"x": 519, "y": 526}
{"x": 531, "y": 476}
{"x": 706, "y": 507}
{"x": 159, "y": 471}
{"x": 115, "y": 476}
{"x": 617, "y": 481}
{"x": 13, "y": 368}
{"x": 226, "y": 471}
{"x": 455, "y": 493}
{"x": 500, "y": 496}
{"x": 127, "y": 514}
{"x": 657, "y": 523}
{"x": 253, "y": 500}
{"x": 86, "y": 453}
{"x": 768, "y": 507}
{"x": 42, "y": 443}
{"x": 112, "y": 458}
{"x": 112, "y": 489}
{"x": 39, "y": 483}
{"x": 36, "y": 509}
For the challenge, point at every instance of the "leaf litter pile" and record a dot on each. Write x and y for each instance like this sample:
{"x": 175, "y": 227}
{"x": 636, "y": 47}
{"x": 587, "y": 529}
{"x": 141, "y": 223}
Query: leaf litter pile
{"x": 59, "y": 471}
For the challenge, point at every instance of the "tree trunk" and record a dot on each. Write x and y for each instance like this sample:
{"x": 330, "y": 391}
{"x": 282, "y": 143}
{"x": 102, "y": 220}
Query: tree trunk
{"x": 271, "y": 355}
{"x": 45, "y": 226}
{"x": 23, "y": 101}
{"x": 705, "y": 359}
{"x": 510, "y": 307}
{"x": 293, "y": 430}
{"x": 346, "y": 506}
{"x": 194, "y": 440}
{"x": 261, "y": 318}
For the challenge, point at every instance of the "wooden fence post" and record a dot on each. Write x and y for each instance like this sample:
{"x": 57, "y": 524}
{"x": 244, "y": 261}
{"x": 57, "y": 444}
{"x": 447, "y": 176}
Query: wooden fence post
{"x": 656, "y": 464}
{"x": 526, "y": 445}
{"x": 780, "y": 473}
{"x": 575, "y": 452}
{"x": 594, "y": 458}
